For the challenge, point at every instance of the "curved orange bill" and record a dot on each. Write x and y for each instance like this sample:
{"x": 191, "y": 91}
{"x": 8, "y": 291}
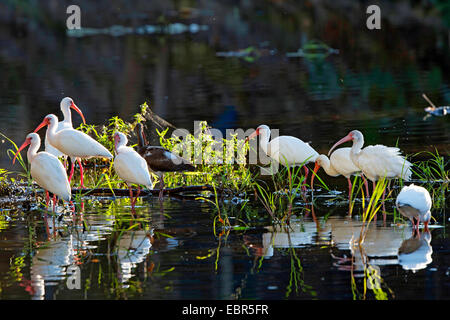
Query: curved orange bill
{"x": 40, "y": 126}
{"x": 27, "y": 142}
{"x": 316, "y": 167}
{"x": 254, "y": 134}
{"x": 344, "y": 139}
{"x": 74, "y": 107}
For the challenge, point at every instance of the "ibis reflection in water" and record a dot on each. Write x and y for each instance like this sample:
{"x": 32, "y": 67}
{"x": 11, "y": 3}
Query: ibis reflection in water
{"x": 381, "y": 246}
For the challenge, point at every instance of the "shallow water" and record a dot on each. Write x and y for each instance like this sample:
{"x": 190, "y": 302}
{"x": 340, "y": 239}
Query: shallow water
{"x": 171, "y": 253}
{"x": 236, "y": 73}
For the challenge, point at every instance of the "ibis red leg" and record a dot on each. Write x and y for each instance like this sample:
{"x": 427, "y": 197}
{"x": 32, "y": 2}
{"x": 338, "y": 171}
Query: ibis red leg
{"x": 72, "y": 169}
{"x": 81, "y": 173}
{"x": 54, "y": 202}
{"x": 47, "y": 198}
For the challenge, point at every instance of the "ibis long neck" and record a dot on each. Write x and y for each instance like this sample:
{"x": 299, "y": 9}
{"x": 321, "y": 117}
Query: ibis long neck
{"x": 329, "y": 169}
{"x": 51, "y": 131}
{"x": 122, "y": 143}
{"x": 264, "y": 140}
{"x": 32, "y": 150}
{"x": 356, "y": 148}
{"x": 67, "y": 115}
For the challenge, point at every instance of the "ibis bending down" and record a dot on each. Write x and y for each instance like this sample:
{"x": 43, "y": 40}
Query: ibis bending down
{"x": 71, "y": 142}
{"x": 160, "y": 160}
{"x": 414, "y": 202}
{"x": 285, "y": 150}
{"x": 130, "y": 166}
{"x": 46, "y": 169}
{"x": 339, "y": 163}
{"x": 66, "y": 104}
{"x": 376, "y": 161}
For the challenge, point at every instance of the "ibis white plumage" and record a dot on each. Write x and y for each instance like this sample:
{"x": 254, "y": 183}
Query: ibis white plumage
{"x": 66, "y": 104}
{"x": 338, "y": 164}
{"x": 376, "y": 161}
{"x": 130, "y": 166}
{"x": 46, "y": 169}
{"x": 71, "y": 142}
{"x": 414, "y": 202}
{"x": 285, "y": 150}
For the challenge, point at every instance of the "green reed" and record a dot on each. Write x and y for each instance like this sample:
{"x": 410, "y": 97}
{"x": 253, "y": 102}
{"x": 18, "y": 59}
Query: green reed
{"x": 373, "y": 207}
{"x": 278, "y": 198}
{"x": 433, "y": 169}
{"x": 216, "y": 161}
{"x": 371, "y": 280}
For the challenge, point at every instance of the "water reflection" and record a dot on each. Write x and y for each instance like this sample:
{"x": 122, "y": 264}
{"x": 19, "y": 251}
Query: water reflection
{"x": 132, "y": 249}
{"x": 298, "y": 234}
{"x": 380, "y": 242}
{"x": 51, "y": 259}
{"x": 125, "y": 254}
{"x": 415, "y": 253}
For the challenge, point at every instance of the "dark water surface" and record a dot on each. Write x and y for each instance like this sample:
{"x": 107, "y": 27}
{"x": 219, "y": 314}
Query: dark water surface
{"x": 230, "y": 63}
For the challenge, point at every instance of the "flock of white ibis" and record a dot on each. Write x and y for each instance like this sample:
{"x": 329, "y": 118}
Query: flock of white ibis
{"x": 65, "y": 141}
{"x": 62, "y": 140}
{"x": 372, "y": 162}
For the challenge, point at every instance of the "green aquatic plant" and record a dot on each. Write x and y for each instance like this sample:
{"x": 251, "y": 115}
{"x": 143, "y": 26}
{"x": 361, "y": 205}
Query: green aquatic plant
{"x": 215, "y": 252}
{"x": 296, "y": 276}
{"x": 373, "y": 207}
{"x": 104, "y": 133}
{"x": 223, "y": 220}
{"x": 432, "y": 170}
{"x": 20, "y": 159}
{"x": 371, "y": 280}
{"x": 219, "y": 161}
{"x": 279, "y": 193}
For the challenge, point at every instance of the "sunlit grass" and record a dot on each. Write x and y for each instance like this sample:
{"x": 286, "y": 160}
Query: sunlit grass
{"x": 371, "y": 279}
{"x": 432, "y": 170}
{"x": 372, "y": 207}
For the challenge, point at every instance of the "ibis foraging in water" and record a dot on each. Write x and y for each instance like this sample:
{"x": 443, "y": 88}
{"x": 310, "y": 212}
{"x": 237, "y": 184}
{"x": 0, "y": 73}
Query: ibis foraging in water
{"x": 73, "y": 143}
{"x": 339, "y": 163}
{"x": 414, "y": 202}
{"x": 46, "y": 169}
{"x": 66, "y": 104}
{"x": 130, "y": 166}
{"x": 159, "y": 159}
{"x": 285, "y": 150}
{"x": 376, "y": 161}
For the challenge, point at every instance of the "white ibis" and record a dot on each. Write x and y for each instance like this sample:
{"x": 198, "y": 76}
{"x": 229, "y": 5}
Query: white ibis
{"x": 376, "y": 161}
{"x": 160, "y": 160}
{"x": 339, "y": 163}
{"x": 66, "y": 104}
{"x": 73, "y": 143}
{"x": 46, "y": 169}
{"x": 285, "y": 149}
{"x": 130, "y": 166}
{"x": 414, "y": 202}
